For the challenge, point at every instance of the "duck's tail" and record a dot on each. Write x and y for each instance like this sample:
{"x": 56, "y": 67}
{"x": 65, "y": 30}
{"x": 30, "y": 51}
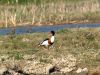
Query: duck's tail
{"x": 39, "y": 44}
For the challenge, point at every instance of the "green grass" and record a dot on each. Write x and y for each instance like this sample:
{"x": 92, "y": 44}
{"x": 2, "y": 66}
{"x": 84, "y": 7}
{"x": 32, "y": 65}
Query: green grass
{"x": 84, "y": 44}
{"x": 38, "y": 2}
{"x": 48, "y": 12}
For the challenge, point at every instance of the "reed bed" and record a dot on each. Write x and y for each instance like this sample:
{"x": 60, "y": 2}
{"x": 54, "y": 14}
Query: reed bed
{"x": 48, "y": 12}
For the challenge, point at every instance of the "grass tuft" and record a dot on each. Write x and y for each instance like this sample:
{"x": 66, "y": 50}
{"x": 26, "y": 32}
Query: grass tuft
{"x": 18, "y": 56}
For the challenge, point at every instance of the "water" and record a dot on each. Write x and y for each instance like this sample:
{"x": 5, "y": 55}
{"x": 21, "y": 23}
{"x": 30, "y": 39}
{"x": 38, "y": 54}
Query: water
{"x": 32, "y": 29}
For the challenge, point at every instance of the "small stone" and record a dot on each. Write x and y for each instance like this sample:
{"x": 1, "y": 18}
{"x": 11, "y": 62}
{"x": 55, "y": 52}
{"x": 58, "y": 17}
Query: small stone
{"x": 54, "y": 69}
{"x": 81, "y": 71}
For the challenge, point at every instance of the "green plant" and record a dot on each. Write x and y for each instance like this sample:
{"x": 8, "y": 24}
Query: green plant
{"x": 18, "y": 56}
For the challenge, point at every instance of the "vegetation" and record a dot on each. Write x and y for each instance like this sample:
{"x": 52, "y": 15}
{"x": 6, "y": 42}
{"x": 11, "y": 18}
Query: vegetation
{"x": 84, "y": 45}
{"x": 48, "y": 12}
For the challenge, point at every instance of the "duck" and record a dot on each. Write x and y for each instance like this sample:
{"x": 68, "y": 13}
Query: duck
{"x": 48, "y": 41}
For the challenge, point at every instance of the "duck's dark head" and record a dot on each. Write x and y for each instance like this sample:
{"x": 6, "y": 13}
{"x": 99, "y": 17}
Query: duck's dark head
{"x": 53, "y": 33}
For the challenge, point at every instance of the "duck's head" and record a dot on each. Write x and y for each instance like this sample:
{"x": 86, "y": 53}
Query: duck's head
{"x": 53, "y": 33}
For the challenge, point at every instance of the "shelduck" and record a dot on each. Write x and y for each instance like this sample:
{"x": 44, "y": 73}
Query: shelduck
{"x": 48, "y": 41}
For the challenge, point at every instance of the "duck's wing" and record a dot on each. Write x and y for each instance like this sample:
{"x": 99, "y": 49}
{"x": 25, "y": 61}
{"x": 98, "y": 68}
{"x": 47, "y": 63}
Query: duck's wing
{"x": 46, "y": 39}
{"x": 43, "y": 41}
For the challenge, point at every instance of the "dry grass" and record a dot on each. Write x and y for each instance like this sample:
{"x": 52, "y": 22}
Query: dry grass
{"x": 84, "y": 44}
{"x": 49, "y": 13}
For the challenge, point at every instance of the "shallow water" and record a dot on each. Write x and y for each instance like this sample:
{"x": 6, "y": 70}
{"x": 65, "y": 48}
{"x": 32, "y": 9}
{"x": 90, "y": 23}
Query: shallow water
{"x": 32, "y": 29}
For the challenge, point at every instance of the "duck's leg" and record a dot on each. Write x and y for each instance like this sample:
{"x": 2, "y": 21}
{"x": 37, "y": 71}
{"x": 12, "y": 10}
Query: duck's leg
{"x": 52, "y": 46}
{"x": 48, "y": 47}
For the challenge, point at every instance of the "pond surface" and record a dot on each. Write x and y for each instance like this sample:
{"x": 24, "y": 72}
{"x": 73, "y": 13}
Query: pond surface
{"x": 32, "y": 29}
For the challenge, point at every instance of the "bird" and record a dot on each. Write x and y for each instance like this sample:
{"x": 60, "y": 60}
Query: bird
{"x": 48, "y": 41}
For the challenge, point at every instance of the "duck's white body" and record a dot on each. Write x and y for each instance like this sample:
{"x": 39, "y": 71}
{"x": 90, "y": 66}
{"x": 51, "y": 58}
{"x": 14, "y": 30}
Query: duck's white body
{"x": 52, "y": 39}
{"x": 45, "y": 43}
{"x": 48, "y": 41}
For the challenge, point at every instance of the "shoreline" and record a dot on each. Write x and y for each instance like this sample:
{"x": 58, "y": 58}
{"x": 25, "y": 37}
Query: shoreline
{"x": 48, "y": 24}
